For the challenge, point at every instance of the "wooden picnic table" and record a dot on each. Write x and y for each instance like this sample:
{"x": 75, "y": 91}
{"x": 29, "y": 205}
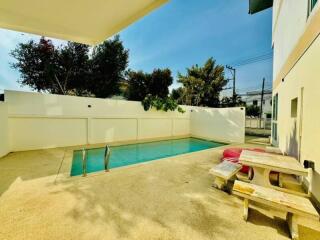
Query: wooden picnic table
{"x": 263, "y": 163}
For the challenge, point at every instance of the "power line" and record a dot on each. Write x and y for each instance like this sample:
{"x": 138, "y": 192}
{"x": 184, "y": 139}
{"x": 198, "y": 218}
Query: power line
{"x": 251, "y": 58}
{"x": 254, "y": 87}
{"x": 254, "y": 61}
{"x": 259, "y": 58}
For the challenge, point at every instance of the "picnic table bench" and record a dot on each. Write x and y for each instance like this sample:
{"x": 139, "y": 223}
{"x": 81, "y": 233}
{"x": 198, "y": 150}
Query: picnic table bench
{"x": 224, "y": 172}
{"x": 263, "y": 163}
{"x": 297, "y": 207}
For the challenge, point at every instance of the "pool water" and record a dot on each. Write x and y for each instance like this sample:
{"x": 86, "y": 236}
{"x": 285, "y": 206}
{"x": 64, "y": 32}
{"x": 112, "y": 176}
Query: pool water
{"x": 136, "y": 153}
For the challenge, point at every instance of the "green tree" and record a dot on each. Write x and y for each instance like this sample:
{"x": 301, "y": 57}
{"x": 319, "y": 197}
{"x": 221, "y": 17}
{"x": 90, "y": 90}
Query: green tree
{"x": 252, "y": 111}
{"x": 68, "y": 69}
{"x": 164, "y": 104}
{"x": 62, "y": 70}
{"x": 152, "y": 89}
{"x": 38, "y": 66}
{"x": 137, "y": 88}
{"x": 178, "y": 94}
{"x": 203, "y": 84}
{"x": 159, "y": 82}
{"x": 228, "y": 101}
{"x": 109, "y": 62}
{"x": 74, "y": 68}
{"x": 156, "y": 84}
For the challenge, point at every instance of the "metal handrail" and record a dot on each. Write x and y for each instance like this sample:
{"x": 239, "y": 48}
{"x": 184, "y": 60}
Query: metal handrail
{"x": 107, "y": 153}
{"x": 84, "y": 162}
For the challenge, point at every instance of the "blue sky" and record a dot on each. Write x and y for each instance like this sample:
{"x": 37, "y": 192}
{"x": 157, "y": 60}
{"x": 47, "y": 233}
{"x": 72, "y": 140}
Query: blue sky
{"x": 180, "y": 34}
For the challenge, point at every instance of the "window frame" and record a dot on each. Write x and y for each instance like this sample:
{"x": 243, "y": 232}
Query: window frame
{"x": 311, "y": 5}
{"x": 274, "y": 121}
{"x": 255, "y": 102}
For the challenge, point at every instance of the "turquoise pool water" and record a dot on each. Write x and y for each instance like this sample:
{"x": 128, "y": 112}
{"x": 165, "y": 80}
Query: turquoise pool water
{"x": 137, "y": 153}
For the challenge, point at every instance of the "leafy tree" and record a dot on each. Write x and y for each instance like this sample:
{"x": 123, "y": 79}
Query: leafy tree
{"x": 137, "y": 85}
{"x": 69, "y": 70}
{"x": 109, "y": 63}
{"x": 159, "y": 82}
{"x": 74, "y": 68}
{"x": 38, "y": 65}
{"x": 178, "y": 94}
{"x": 203, "y": 84}
{"x": 141, "y": 84}
{"x": 253, "y": 111}
{"x": 152, "y": 89}
{"x": 56, "y": 70}
{"x": 228, "y": 102}
{"x": 164, "y": 104}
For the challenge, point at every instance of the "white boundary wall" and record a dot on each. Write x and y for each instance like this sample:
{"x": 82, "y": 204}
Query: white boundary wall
{"x": 37, "y": 121}
{"x": 220, "y": 124}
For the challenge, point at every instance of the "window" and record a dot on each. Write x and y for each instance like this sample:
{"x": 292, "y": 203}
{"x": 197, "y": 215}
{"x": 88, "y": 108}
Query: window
{"x": 294, "y": 107}
{"x": 255, "y": 102}
{"x": 312, "y": 4}
{"x": 275, "y": 132}
{"x": 275, "y": 108}
{"x": 275, "y": 103}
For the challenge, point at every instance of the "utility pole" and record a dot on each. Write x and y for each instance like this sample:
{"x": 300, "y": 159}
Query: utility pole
{"x": 261, "y": 105}
{"x": 233, "y": 72}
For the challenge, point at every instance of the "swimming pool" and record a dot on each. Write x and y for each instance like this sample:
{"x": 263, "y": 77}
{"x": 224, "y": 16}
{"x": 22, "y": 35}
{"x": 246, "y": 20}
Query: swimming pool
{"x": 136, "y": 153}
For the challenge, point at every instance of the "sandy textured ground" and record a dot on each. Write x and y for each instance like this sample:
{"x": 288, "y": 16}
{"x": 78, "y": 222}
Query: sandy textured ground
{"x": 164, "y": 199}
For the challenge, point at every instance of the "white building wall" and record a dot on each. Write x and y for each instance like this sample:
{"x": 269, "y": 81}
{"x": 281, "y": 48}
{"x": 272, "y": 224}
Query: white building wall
{"x": 298, "y": 134}
{"x": 303, "y": 77}
{"x": 289, "y": 22}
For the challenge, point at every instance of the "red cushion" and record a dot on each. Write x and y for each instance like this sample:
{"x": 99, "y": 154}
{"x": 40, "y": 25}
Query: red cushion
{"x": 233, "y": 154}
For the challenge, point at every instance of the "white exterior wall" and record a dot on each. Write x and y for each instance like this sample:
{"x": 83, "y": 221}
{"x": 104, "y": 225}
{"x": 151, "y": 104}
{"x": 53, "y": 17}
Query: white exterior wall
{"x": 45, "y": 121}
{"x": 4, "y": 137}
{"x": 289, "y": 22}
{"x": 37, "y": 121}
{"x": 221, "y": 124}
{"x": 305, "y": 75}
{"x": 298, "y": 136}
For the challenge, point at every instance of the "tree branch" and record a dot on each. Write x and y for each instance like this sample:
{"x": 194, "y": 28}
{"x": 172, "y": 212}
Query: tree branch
{"x": 62, "y": 90}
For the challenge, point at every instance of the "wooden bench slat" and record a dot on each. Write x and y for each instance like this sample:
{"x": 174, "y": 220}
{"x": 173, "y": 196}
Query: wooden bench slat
{"x": 283, "y": 201}
{"x": 225, "y": 169}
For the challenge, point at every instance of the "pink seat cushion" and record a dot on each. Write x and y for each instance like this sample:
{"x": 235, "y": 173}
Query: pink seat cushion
{"x": 233, "y": 154}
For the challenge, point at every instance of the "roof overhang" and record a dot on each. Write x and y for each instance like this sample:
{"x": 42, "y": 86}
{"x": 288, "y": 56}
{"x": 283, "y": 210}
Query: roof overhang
{"x": 259, "y": 5}
{"x": 83, "y": 21}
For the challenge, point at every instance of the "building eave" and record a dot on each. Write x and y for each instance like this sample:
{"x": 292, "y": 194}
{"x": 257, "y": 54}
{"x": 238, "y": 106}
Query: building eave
{"x": 88, "y": 22}
{"x": 256, "y": 6}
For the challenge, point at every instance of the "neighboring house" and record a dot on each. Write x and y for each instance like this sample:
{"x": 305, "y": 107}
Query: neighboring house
{"x": 296, "y": 83}
{"x": 254, "y": 98}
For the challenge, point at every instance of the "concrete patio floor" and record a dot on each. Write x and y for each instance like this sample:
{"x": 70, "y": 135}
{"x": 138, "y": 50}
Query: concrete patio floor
{"x": 165, "y": 199}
